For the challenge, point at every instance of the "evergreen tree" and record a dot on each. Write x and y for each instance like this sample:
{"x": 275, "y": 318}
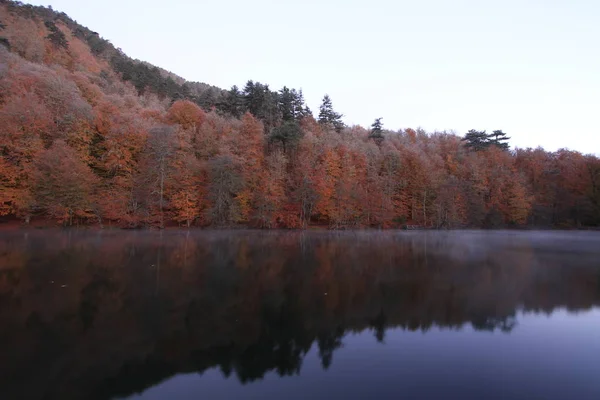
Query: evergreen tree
{"x": 185, "y": 91}
{"x": 499, "y": 138}
{"x": 56, "y": 36}
{"x": 252, "y": 97}
{"x": 307, "y": 112}
{"x": 233, "y": 103}
{"x": 325, "y": 110}
{"x": 476, "y": 140}
{"x": 291, "y": 104}
{"x": 327, "y": 116}
{"x": 299, "y": 106}
{"x": 270, "y": 115}
{"x": 288, "y": 134}
{"x": 4, "y": 41}
{"x": 377, "y": 130}
{"x": 262, "y": 103}
{"x": 287, "y": 104}
{"x": 209, "y": 98}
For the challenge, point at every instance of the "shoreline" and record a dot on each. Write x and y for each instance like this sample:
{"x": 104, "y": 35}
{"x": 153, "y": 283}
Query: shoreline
{"x": 45, "y": 226}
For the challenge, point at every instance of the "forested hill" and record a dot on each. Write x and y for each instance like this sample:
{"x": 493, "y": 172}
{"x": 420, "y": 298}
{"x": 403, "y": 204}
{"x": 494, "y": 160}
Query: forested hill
{"x": 91, "y": 136}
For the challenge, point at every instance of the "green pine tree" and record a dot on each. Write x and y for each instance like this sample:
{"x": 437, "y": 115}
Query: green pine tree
{"x": 377, "y": 130}
{"x": 476, "y": 140}
{"x": 288, "y": 134}
{"x": 499, "y": 139}
{"x": 286, "y": 104}
{"x": 233, "y": 103}
{"x": 327, "y": 116}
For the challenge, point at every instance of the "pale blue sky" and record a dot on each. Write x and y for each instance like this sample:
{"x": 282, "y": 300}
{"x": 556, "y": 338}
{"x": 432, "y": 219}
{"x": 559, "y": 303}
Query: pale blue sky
{"x": 529, "y": 67}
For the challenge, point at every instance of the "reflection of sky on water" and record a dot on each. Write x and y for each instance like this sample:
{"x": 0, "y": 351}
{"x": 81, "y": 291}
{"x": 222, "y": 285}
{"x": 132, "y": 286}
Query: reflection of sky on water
{"x": 549, "y": 356}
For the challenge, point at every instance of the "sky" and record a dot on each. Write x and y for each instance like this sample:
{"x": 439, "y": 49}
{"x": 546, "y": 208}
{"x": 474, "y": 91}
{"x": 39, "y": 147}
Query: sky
{"x": 528, "y": 67}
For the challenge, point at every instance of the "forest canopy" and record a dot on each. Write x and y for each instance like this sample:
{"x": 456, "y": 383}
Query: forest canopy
{"x": 91, "y": 136}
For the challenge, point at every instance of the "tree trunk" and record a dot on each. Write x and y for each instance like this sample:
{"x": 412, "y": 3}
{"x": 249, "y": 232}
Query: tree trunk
{"x": 162, "y": 185}
{"x": 424, "y": 209}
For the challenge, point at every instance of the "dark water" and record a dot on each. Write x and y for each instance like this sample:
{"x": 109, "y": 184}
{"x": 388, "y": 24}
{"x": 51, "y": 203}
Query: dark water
{"x": 246, "y": 314}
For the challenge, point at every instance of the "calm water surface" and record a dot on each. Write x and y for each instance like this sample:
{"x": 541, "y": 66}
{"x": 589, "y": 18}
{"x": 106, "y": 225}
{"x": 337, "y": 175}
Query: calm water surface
{"x": 249, "y": 314}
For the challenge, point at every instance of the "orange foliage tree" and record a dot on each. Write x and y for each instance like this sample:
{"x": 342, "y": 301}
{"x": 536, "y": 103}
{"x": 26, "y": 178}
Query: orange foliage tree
{"x": 63, "y": 184}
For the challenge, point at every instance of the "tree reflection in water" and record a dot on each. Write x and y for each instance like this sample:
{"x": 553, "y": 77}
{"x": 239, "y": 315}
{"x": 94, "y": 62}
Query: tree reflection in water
{"x": 104, "y": 314}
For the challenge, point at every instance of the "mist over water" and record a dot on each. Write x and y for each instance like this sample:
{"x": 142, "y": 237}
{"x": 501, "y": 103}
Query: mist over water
{"x": 255, "y": 314}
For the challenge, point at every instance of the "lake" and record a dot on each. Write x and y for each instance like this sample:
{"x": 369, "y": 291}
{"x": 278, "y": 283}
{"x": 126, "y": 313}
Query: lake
{"x": 299, "y": 315}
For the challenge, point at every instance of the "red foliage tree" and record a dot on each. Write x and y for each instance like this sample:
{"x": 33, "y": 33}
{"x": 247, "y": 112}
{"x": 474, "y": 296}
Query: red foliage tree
{"x": 187, "y": 114}
{"x": 63, "y": 185}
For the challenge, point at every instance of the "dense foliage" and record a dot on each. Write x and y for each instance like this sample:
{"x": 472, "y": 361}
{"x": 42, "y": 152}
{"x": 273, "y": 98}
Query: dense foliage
{"x": 90, "y": 136}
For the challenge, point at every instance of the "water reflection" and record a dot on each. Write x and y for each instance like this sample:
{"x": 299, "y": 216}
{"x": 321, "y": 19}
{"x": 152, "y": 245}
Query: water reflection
{"x": 99, "y": 315}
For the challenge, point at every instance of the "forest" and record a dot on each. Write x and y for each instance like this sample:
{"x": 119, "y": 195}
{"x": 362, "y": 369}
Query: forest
{"x": 89, "y": 136}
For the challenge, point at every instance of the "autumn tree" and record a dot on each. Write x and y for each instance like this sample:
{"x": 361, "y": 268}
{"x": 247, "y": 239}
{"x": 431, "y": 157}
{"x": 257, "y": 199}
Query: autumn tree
{"x": 326, "y": 183}
{"x": 118, "y": 149}
{"x": 226, "y": 181}
{"x": 26, "y": 39}
{"x": 517, "y": 203}
{"x": 304, "y": 172}
{"x": 157, "y": 166}
{"x": 540, "y": 174}
{"x": 247, "y": 145}
{"x": 64, "y": 101}
{"x": 63, "y": 185}
{"x": 187, "y": 114}
{"x": 572, "y": 179}
{"x": 24, "y": 121}
{"x": 270, "y": 196}
{"x": 593, "y": 169}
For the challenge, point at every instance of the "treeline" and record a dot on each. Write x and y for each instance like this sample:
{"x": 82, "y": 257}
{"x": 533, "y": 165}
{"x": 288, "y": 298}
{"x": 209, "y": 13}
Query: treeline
{"x": 89, "y": 136}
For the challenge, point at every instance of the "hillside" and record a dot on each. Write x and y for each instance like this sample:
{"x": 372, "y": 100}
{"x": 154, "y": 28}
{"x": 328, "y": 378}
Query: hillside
{"x": 91, "y": 136}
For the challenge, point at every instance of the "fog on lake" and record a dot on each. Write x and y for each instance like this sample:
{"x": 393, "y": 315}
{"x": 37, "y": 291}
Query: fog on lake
{"x": 257, "y": 314}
